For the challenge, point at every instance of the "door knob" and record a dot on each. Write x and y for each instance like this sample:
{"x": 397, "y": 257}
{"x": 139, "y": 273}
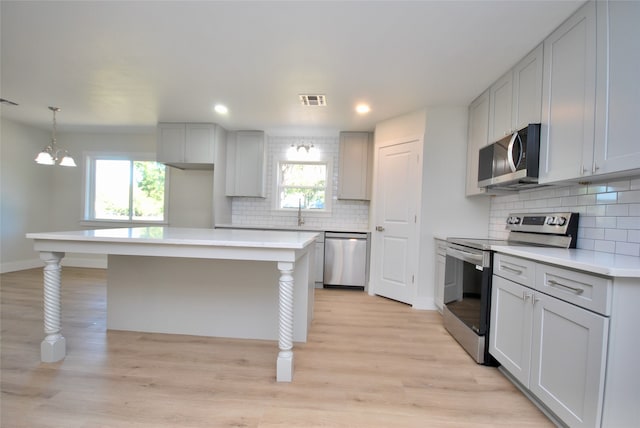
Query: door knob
{"x": 380, "y": 228}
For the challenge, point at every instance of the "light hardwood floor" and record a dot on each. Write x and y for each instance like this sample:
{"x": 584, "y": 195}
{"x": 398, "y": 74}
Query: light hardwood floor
{"x": 369, "y": 362}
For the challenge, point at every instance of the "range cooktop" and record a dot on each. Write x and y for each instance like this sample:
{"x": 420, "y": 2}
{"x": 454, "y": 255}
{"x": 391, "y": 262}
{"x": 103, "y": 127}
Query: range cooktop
{"x": 559, "y": 229}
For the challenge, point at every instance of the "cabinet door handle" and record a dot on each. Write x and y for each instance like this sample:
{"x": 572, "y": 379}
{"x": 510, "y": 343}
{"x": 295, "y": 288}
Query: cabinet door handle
{"x": 510, "y": 269}
{"x": 380, "y": 228}
{"x": 555, "y": 283}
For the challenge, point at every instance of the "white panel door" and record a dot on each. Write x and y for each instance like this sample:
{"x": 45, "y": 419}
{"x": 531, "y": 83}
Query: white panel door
{"x": 395, "y": 238}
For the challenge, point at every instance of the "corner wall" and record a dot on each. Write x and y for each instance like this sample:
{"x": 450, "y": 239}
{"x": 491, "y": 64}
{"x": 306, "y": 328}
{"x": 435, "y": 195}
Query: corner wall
{"x": 446, "y": 211}
{"x": 26, "y": 194}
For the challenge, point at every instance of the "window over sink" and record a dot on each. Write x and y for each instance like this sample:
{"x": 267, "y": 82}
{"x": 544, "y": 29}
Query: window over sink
{"x": 303, "y": 185}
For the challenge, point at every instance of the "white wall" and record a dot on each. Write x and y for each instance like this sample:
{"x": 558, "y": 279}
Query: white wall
{"x": 445, "y": 209}
{"x": 26, "y": 194}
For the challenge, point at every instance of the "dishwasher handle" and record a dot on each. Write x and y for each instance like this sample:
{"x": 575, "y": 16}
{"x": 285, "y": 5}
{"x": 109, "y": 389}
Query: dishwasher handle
{"x": 344, "y": 235}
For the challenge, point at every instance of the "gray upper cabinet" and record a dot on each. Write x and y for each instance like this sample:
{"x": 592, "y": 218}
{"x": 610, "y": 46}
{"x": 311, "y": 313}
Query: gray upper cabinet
{"x": 246, "y": 159}
{"x": 186, "y": 145}
{"x": 500, "y": 105}
{"x": 590, "y": 104}
{"x": 356, "y": 163}
{"x": 515, "y": 99}
{"x": 527, "y": 90}
{"x": 618, "y": 97}
{"x": 478, "y": 137}
{"x": 568, "y": 103}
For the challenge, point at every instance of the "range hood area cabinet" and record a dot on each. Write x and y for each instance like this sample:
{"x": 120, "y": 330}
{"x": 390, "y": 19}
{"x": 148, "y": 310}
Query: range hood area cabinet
{"x": 511, "y": 103}
{"x": 592, "y": 61}
{"x": 186, "y": 145}
{"x": 356, "y": 166}
{"x": 246, "y": 164}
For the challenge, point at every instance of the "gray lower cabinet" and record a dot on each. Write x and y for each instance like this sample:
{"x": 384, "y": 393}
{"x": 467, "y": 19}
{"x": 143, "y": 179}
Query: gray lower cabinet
{"x": 568, "y": 339}
{"x": 553, "y": 348}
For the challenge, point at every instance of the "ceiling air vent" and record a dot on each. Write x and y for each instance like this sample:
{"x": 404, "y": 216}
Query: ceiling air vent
{"x": 313, "y": 100}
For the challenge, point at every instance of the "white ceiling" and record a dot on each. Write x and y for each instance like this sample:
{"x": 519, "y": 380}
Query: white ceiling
{"x": 132, "y": 64}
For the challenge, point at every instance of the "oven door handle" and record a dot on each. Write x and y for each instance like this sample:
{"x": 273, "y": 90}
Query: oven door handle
{"x": 475, "y": 259}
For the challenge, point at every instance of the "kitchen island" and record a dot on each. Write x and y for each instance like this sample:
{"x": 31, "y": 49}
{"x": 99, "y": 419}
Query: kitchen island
{"x": 208, "y": 282}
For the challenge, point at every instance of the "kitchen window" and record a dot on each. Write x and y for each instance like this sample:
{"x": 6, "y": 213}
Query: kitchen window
{"x": 303, "y": 185}
{"x": 126, "y": 188}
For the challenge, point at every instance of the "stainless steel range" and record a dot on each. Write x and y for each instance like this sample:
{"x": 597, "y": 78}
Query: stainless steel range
{"x": 469, "y": 269}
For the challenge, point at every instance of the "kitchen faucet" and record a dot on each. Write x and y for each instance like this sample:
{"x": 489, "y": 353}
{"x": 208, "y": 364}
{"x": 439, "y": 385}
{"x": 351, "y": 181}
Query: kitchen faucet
{"x": 300, "y": 219}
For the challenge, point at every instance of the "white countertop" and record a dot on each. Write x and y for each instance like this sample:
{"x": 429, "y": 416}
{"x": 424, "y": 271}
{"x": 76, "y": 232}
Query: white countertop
{"x": 614, "y": 265}
{"x": 186, "y": 236}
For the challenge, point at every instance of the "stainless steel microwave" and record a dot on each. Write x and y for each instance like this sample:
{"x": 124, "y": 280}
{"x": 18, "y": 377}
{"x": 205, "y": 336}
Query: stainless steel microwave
{"x": 512, "y": 162}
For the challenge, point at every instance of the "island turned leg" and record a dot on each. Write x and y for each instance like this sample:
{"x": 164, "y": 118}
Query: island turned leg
{"x": 284, "y": 370}
{"x": 53, "y": 347}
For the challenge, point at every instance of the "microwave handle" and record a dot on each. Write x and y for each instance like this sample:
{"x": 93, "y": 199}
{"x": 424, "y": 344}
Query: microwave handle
{"x": 512, "y": 164}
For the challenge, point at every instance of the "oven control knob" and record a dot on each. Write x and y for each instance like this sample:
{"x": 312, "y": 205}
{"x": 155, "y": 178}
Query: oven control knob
{"x": 562, "y": 221}
{"x": 551, "y": 221}
{"x": 516, "y": 220}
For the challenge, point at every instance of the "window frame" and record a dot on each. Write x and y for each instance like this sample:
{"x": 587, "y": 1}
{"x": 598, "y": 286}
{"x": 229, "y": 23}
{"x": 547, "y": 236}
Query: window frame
{"x": 327, "y": 190}
{"x": 89, "y": 178}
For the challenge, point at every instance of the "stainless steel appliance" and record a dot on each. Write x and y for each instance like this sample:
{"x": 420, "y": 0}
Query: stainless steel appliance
{"x": 469, "y": 270}
{"x": 345, "y": 259}
{"x": 513, "y": 162}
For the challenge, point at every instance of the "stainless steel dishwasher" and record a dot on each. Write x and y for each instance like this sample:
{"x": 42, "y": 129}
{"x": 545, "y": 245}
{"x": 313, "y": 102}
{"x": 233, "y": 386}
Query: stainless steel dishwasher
{"x": 345, "y": 259}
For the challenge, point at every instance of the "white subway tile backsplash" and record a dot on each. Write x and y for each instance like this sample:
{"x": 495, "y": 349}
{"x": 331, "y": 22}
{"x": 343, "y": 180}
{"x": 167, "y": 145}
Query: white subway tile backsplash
{"x": 627, "y": 248}
{"x": 629, "y": 222}
{"x": 606, "y": 198}
{"x": 606, "y": 222}
{"x": 617, "y": 210}
{"x": 605, "y": 246}
{"x": 593, "y": 233}
{"x": 609, "y": 212}
{"x": 629, "y": 197}
{"x": 615, "y": 235}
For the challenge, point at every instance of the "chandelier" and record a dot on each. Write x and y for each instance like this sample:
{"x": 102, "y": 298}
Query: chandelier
{"x": 52, "y": 155}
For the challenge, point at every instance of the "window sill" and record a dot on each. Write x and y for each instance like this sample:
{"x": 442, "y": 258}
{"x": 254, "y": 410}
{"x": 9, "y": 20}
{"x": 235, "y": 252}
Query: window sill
{"x": 104, "y": 224}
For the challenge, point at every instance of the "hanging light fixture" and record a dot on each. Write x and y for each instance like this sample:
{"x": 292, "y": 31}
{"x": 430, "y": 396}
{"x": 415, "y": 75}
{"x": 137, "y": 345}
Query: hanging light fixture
{"x": 52, "y": 155}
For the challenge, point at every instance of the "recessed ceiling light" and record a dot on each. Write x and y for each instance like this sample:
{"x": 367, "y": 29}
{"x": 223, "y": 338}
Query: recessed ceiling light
{"x": 221, "y": 109}
{"x": 363, "y": 108}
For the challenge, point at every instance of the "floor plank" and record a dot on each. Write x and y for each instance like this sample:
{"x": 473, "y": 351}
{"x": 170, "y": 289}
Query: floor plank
{"x": 369, "y": 362}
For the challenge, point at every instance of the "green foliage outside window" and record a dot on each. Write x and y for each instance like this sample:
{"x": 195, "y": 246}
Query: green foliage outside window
{"x": 302, "y": 185}
{"x": 128, "y": 190}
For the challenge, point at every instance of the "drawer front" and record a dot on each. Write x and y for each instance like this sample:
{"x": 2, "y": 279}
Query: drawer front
{"x": 516, "y": 269}
{"x": 585, "y": 290}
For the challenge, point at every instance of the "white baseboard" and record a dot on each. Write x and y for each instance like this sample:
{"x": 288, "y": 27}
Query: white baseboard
{"x": 83, "y": 262}
{"x": 424, "y": 303}
{"x": 20, "y": 265}
{"x": 95, "y": 263}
